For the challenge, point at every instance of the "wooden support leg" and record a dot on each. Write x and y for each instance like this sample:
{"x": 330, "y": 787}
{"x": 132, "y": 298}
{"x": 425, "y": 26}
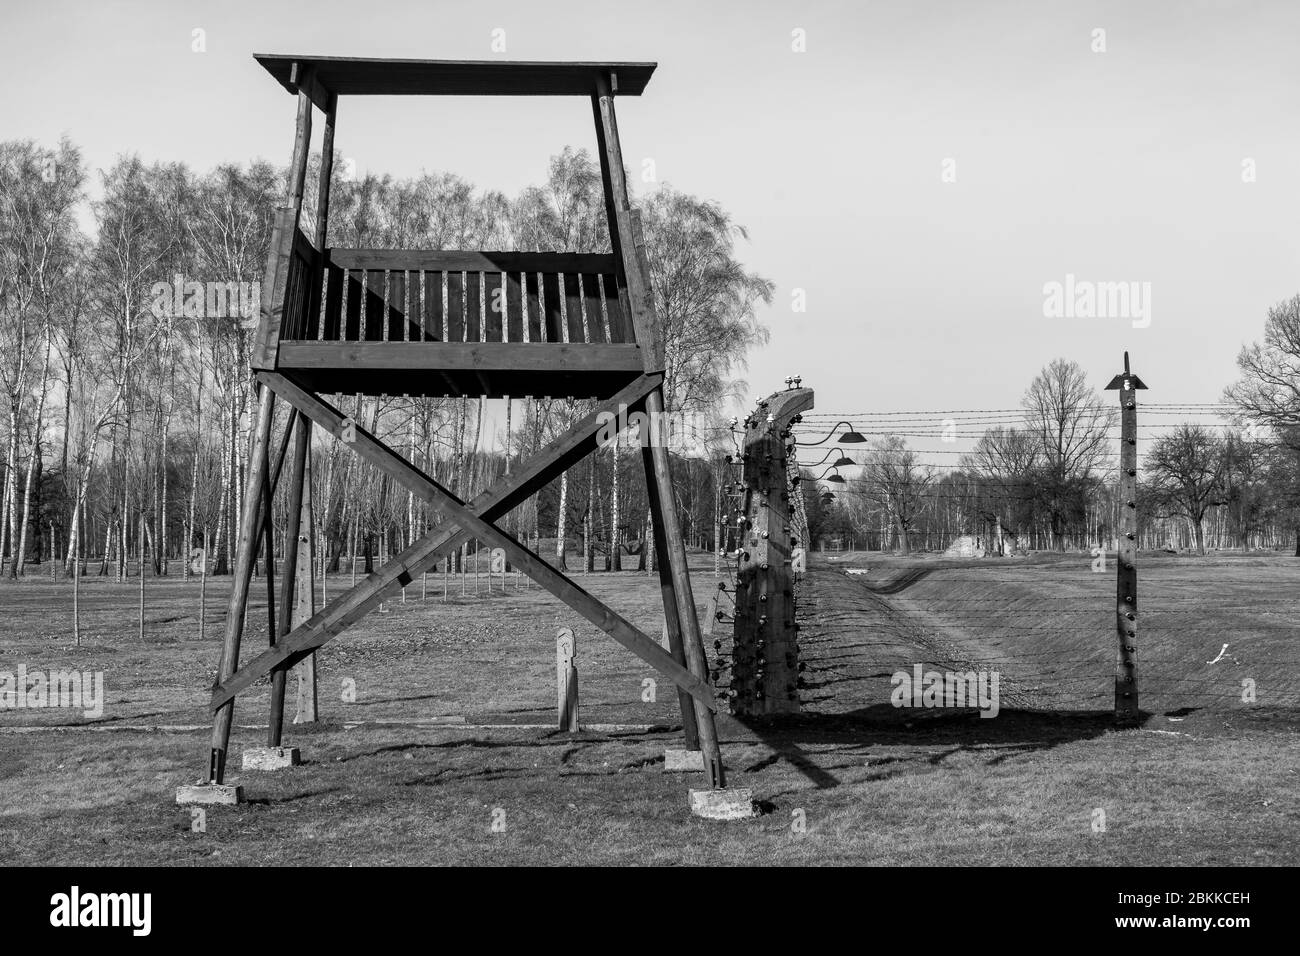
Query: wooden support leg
{"x": 268, "y": 539}
{"x": 293, "y": 541}
{"x": 467, "y": 518}
{"x": 672, "y": 622}
{"x": 304, "y": 605}
{"x": 675, "y": 556}
{"x": 249, "y": 525}
{"x": 499, "y": 500}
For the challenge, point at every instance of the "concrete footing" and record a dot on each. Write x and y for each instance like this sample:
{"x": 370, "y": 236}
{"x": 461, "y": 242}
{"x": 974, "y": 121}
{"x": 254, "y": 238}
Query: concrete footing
{"x": 209, "y": 793}
{"x": 270, "y": 758}
{"x": 733, "y": 803}
{"x": 677, "y": 760}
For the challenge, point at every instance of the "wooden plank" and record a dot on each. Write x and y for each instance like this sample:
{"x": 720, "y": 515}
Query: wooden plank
{"x": 396, "y": 301}
{"x": 591, "y": 308}
{"x": 573, "y": 308}
{"x": 514, "y": 308}
{"x": 554, "y": 330}
{"x": 494, "y": 307}
{"x": 453, "y": 510}
{"x": 479, "y": 356}
{"x": 292, "y": 313}
{"x": 534, "y": 293}
{"x": 473, "y": 307}
{"x": 620, "y": 329}
{"x": 331, "y": 330}
{"x": 413, "y": 314}
{"x": 374, "y": 305}
{"x": 434, "y": 319}
{"x": 314, "y": 280}
{"x": 529, "y": 477}
{"x": 451, "y": 260}
{"x": 356, "y": 297}
{"x": 455, "y": 307}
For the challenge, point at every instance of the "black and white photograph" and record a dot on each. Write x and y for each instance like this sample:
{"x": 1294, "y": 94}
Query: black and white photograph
{"x": 649, "y": 435}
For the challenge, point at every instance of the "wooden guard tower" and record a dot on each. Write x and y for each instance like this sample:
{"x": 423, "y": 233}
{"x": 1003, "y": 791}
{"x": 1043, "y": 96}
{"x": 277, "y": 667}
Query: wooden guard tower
{"x": 423, "y": 323}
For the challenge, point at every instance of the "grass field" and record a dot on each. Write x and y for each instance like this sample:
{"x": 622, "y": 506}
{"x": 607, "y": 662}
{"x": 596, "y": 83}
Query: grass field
{"x": 422, "y": 764}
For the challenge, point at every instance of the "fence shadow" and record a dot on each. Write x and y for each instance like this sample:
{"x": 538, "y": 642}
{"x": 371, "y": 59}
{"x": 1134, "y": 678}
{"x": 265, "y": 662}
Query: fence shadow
{"x": 1012, "y": 731}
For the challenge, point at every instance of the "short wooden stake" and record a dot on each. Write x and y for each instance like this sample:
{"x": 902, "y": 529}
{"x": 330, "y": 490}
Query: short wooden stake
{"x": 566, "y": 679}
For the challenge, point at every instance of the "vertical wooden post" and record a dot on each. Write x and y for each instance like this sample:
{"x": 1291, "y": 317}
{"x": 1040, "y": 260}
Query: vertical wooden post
{"x": 267, "y": 344}
{"x": 633, "y": 278}
{"x": 298, "y": 597}
{"x": 672, "y": 622}
{"x": 141, "y": 547}
{"x": 290, "y": 590}
{"x": 265, "y": 352}
{"x": 243, "y": 575}
{"x": 660, "y": 492}
{"x": 304, "y": 604}
{"x": 297, "y": 567}
{"x": 1126, "y": 602}
{"x": 268, "y": 538}
{"x": 566, "y": 679}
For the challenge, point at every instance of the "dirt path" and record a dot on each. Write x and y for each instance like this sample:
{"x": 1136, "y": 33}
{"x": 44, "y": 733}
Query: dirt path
{"x": 854, "y": 635}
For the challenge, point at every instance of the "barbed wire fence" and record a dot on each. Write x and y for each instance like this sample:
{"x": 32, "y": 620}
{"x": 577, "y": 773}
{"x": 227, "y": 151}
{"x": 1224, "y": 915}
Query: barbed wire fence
{"x": 1215, "y": 635}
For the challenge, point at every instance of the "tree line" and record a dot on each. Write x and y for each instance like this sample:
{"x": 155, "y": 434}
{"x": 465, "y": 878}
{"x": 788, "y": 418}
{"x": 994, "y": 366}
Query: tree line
{"x": 1049, "y": 481}
{"x": 126, "y": 433}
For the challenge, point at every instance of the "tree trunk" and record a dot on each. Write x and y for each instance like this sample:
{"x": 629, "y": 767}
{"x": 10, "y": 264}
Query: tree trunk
{"x": 8, "y": 517}
{"x": 560, "y": 528}
{"x": 615, "y": 542}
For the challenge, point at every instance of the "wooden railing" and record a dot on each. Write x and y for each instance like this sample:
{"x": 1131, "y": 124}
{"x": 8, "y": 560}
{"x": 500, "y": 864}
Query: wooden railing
{"x": 299, "y": 302}
{"x": 400, "y": 295}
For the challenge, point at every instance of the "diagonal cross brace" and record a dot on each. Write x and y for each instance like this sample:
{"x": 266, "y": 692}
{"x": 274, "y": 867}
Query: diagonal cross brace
{"x": 464, "y": 520}
{"x": 423, "y": 554}
{"x": 359, "y": 600}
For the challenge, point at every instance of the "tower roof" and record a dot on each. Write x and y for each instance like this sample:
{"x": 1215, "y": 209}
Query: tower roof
{"x": 347, "y": 76}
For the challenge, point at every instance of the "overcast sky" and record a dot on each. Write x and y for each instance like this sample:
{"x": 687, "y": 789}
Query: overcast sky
{"x": 1117, "y": 166}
